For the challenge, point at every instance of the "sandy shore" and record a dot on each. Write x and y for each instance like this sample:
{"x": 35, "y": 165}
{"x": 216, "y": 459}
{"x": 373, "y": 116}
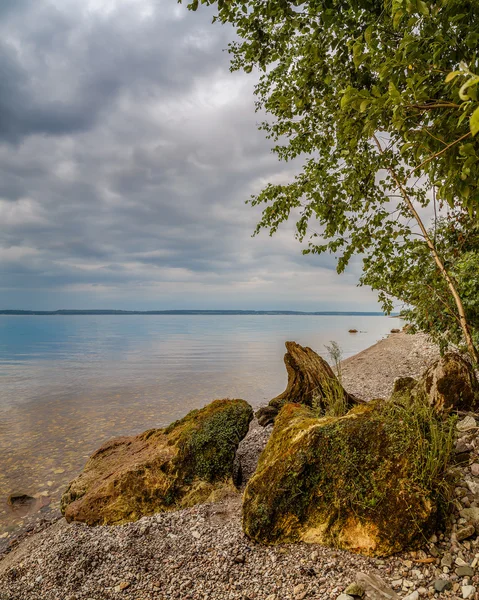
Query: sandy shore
{"x": 201, "y": 553}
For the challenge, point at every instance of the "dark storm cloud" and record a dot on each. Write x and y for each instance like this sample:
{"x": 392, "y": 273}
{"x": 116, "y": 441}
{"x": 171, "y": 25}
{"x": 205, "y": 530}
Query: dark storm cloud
{"x": 127, "y": 150}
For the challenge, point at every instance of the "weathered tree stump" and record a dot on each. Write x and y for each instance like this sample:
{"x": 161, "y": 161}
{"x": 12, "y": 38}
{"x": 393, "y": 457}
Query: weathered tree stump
{"x": 310, "y": 382}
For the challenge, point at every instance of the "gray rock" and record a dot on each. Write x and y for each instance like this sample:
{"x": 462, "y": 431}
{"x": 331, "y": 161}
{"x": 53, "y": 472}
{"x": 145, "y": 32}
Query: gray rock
{"x": 375, "y": 588}
{"x": 471, "y": 514}
{"x": 344, "y": 597}
{"x": 442, "y": 584}
{"x": 466, "y": 424}
{"x": 468, "y": 591}
{"x": 463, "y": 446}
{"x": 475, "y": 469}
{"x": 412, "y": 596}
{"x": 474, "y": 487}
{"x": 464, "y": 571}
{"x": 446, "y": 560}
{"x": 465, "y": 532}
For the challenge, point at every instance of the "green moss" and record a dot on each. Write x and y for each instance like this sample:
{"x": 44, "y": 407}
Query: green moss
{"x": 212, "y": 444}
{"x": 379, "y": 469}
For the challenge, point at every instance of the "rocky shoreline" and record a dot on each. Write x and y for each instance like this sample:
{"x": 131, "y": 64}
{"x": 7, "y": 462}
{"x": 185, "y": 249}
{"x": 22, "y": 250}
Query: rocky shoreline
{"x": 201, "y": 553}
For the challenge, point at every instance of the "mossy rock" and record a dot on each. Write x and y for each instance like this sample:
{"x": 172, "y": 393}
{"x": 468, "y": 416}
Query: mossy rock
{"x": 189, "y": 462}
{"x": 450, "y": 384}
{"x": 361, "y": 482}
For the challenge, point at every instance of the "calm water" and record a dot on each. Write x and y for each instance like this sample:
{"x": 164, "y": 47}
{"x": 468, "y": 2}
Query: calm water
{"x": 67, "y": 383}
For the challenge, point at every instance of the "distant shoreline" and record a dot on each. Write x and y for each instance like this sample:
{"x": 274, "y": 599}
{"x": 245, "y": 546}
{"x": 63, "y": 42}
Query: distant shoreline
{"x": 192, "y": 312}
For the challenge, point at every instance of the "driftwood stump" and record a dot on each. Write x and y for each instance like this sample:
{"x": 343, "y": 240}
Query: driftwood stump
{"x": 310, "y": 380}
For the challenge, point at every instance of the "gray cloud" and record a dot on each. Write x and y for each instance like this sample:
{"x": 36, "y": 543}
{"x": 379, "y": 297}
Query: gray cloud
{"x": 127, "y": 150}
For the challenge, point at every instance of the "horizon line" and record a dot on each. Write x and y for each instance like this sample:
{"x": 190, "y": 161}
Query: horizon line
{"x": 190, "y": 312}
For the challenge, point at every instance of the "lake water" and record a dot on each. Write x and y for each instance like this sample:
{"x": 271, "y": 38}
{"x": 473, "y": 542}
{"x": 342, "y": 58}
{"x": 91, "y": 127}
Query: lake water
{"x": 68, "y": 383}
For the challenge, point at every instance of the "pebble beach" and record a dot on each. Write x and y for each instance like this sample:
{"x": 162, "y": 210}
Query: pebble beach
{"x": 201, "y": 553}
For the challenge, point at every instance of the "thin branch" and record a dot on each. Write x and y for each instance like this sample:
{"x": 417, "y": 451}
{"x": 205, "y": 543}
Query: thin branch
{"x": 437, "y": 105}
{"x": 441, "y": 151}
{"x": 433, "y": 136}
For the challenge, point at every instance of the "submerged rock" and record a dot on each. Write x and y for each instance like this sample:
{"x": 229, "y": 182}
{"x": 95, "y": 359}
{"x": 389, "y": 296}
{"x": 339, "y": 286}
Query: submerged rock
{"x": 21, "y": 500}
{"x": 359, "y": 482}
{"x": 190, "y": 461}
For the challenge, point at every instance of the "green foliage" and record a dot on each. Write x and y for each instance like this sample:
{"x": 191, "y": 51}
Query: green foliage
{"x": 412, "y": 278}
{"x": 358, "y": 89}
{"x": 468, "y": 93}
{"x": 413, "y": 426}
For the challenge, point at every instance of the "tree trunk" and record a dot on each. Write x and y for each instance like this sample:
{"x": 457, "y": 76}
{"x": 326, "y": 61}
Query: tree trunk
{"x": 311, "y": 381}
{"x": 466, "y": 330}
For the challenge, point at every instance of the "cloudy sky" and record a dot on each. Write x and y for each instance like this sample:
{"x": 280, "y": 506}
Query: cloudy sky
{"x": 127, "y": 150}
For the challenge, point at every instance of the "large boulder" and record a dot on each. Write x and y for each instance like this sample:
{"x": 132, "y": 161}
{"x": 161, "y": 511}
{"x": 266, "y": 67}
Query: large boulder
{"x": 365, "y": 482}
{"x": 190, "y": 461}
{"x": 450, "y": 384}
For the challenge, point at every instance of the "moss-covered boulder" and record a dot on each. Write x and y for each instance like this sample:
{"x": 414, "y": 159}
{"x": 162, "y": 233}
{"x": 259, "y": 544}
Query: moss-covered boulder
{"x": 368, "y": 482}
{"x": 450, "y": 384}
{"x": 190, "y": 461}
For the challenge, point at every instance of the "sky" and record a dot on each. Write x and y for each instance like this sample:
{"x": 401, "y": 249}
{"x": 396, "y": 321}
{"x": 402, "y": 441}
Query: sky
{"x": 127, "y": 151}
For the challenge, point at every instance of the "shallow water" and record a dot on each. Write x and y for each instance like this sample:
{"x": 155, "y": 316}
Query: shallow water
{"x": 68, "y": 383}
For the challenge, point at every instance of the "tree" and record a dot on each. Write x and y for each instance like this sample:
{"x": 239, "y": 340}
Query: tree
{"x": 419, "y": 285}
{"x": 359, "y": 90}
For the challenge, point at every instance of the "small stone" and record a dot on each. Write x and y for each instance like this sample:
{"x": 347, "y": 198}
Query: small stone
{"x": 196, "y": 534}
{"x": 354, "y": 589}
{"x": 314, "y": 556}
{"x": 412, "y": 596}
{"x": 271, "y": 597}
{"x": 475, "y": 469}
{"x": 474, "y": 487}
{"x": 122, "y": 586}
{"x": 344, "y": 597}
{"x": 442, "y": 584}
{"x": 375, "y": 587}
{"x": 468, "y": 591}
{"x": 465, "y": 532}
{"x": 463, "y": 447}
{"x": 446, "y": 560}
{"x": 422, "y": 591}
{"x": 298, "y": 589}
{"x": 460, "y": 562}
{"x": 465, "y": 571}
{"x": 472, "y": 513}
{"x": 416, "y": 573}
{"x": 466, "y": 424}
{"x": 397, "y": 583}
{"x": 240, "y": 559}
